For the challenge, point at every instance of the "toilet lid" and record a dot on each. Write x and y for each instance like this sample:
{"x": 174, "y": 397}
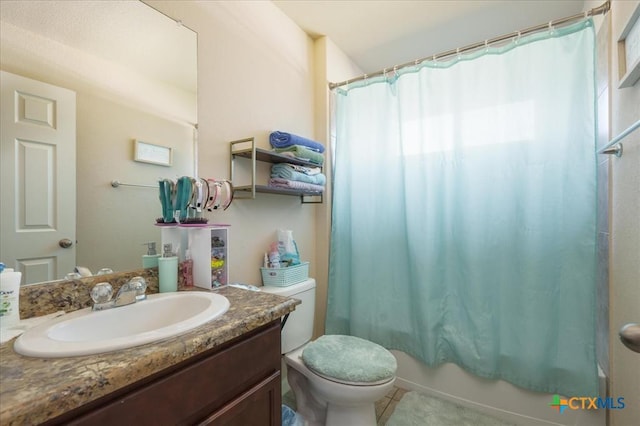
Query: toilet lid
{"x": 349, "y": 359}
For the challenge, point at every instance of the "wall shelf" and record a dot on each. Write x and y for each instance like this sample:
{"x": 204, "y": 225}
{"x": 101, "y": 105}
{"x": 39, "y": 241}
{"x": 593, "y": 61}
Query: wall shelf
{"x": 246, "y": 149}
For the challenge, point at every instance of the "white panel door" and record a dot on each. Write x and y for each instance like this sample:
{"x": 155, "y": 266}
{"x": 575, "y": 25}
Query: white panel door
{"x": 38, "y": 178}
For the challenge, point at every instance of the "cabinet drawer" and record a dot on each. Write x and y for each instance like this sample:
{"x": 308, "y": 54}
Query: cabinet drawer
{"x": 259, "y": 406}
{"x": 192, "y": 393}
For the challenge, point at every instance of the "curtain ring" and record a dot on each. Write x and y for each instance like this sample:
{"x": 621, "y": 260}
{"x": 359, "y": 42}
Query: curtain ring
{"x": 458, "y": 53}
{"x": 486, "y": 45}
{"x": 516, "y": 39}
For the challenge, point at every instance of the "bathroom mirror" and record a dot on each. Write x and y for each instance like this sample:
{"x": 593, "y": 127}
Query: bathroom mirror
{"x": 134, "y": 72}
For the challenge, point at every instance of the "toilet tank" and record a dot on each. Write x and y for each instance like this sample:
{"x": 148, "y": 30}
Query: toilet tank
{"x": 299, "y": 326}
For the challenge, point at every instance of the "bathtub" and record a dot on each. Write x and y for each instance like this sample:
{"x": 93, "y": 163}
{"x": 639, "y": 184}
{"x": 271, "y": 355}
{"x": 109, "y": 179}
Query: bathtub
{"x": 495, "y": 397}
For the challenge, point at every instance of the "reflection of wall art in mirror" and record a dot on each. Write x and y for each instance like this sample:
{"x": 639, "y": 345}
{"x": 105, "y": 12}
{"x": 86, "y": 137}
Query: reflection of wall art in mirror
{"x": 629, "y": 51}
{"x": 145, "y": 152}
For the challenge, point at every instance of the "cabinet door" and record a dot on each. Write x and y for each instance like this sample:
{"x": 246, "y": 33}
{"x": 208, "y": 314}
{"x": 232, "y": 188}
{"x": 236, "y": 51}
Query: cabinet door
{"x": 187, "y": 395}
{"x": 259, "y": 406}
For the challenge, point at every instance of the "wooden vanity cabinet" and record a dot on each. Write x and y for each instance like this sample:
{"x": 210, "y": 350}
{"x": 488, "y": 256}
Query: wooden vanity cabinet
{"x": 236, "y": 384}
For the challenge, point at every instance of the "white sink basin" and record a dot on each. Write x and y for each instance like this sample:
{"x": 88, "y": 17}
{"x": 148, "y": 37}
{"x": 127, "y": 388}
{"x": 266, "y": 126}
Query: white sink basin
{"x": 86, "y": 332}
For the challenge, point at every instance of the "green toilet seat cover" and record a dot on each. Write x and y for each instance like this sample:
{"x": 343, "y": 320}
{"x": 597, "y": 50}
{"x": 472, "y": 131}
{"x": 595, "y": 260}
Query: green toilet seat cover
{"x": 349, "y": 359}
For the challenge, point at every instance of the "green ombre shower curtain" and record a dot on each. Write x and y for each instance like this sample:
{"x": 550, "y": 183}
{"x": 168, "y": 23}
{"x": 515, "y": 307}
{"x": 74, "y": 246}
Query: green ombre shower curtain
{"x": 464, "y": 212}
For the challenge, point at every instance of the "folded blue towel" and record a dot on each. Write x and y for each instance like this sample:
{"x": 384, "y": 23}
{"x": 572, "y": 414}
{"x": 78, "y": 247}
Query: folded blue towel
{"x": 283, "y": 140}
{"x": 290, "y": 172}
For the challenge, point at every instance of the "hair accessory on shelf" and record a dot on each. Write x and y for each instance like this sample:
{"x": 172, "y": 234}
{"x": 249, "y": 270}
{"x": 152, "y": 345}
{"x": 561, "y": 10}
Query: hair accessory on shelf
{"x": 205, "y": 188}
{"x": 180, "y": 199}
{"x": 228, "y": 186}
{"x": 214, "y": 195}
{"x": 183, "y": 195}
{"x": 216, "y": 187}
{"x": 197, "y": 194}
{"x": 195, "y": 220}
{"x": 167, "y": 193}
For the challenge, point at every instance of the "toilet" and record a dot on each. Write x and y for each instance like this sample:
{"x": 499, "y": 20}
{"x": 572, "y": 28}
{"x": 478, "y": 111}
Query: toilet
{"x": 336, "y": 379}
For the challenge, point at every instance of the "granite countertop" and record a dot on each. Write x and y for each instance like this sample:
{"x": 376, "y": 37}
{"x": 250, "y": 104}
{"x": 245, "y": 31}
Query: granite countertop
{"x": 33, "y": 390}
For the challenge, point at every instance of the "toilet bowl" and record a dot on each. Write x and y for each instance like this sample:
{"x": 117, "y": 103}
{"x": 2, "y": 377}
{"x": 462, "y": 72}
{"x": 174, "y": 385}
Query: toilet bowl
{"x": 326, "y": 400}
{"x": 336, "y": 379}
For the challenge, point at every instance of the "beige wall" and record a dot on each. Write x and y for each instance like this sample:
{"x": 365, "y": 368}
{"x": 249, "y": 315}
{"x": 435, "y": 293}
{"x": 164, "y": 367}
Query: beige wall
{"x": 114, "y": 107}
{"x": 113, "y": 223}
{"x": 331, "y": 65}
{"x": 625, "y": 228}
{"x": 257, "y": 72}
{"x": 255, "y": 69}
{"x": 255, "y": 75}
{"x": 35, "y": 56}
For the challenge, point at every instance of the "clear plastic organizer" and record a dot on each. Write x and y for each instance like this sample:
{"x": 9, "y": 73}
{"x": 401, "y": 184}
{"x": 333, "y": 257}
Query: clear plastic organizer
{"x": 283, "y": 277}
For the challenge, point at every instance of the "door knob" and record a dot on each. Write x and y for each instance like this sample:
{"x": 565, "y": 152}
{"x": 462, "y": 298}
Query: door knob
{"x": 630, "y": 336}
{"x": 65, "y": 243}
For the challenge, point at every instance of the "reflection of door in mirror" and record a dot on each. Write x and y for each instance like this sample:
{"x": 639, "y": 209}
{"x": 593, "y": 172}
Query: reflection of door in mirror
{"x": 134, "y": 72}
{"x": 38, "y": 191}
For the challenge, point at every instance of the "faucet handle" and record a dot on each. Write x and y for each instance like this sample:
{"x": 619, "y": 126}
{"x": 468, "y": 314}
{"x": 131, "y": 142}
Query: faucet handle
{"x": 101, "y": 293}
{"x": 140, "y": 285}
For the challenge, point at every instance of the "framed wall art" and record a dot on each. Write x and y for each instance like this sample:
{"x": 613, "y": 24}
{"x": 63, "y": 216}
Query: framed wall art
{"x": 145, "y": 152}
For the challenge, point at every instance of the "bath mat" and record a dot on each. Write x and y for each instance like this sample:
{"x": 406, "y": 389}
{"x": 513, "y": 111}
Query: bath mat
{"x": 416, "y": 409}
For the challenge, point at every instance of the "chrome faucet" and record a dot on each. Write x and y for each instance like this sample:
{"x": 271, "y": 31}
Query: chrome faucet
{"x": 130, "y": 292}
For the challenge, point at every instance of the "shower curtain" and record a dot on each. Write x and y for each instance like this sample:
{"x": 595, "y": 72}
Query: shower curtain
{"x": 464, "y": 212}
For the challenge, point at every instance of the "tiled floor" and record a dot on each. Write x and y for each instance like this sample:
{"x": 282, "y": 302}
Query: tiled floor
{"x": 384, "y": 407}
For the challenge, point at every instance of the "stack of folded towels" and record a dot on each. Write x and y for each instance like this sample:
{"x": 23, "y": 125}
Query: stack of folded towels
{"x": 291, "y": 176}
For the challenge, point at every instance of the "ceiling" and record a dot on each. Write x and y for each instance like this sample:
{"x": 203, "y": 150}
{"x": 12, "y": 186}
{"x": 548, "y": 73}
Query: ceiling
{"x": 378, "y": 34}
{"x": 100, "y": 29}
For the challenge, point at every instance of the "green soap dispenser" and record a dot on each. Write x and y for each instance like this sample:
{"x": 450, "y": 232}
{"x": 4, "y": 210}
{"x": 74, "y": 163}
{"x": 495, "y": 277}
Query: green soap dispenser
{"x": 150, "y": 260}
{"x": 168, "y": 270}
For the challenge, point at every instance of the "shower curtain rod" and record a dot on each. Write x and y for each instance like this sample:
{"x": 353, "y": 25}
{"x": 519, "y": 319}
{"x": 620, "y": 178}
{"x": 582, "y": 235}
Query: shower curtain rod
{"x": 600, "y": 10}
